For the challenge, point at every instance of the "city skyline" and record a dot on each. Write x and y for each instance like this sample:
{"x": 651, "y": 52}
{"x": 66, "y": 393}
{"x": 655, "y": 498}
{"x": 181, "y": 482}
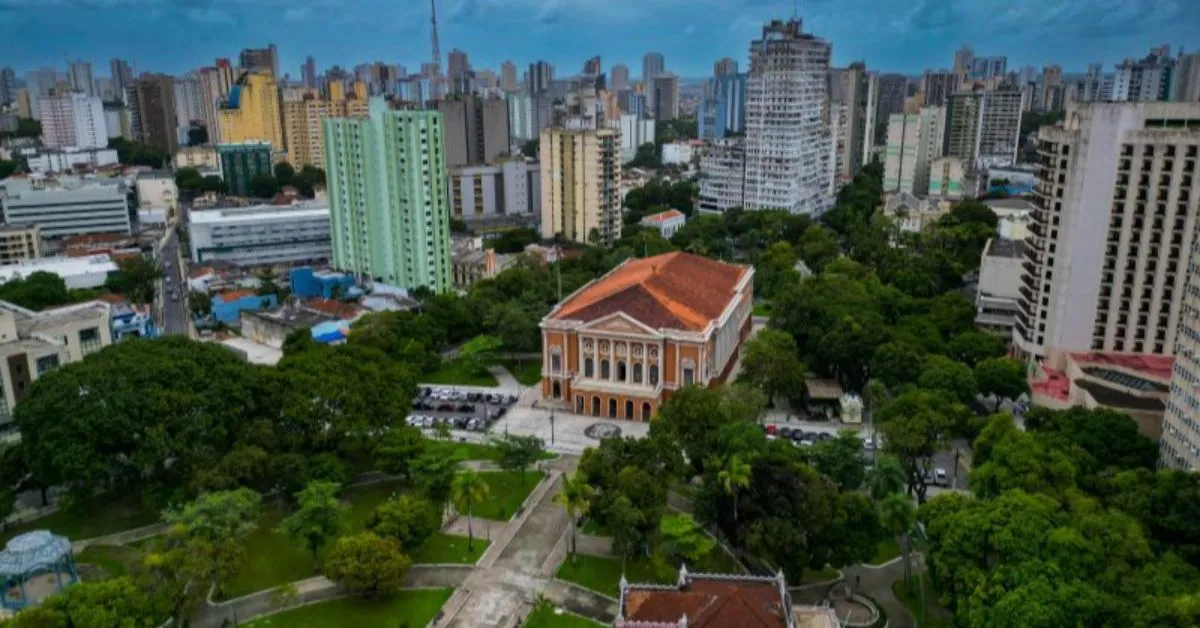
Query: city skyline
{"x": 1071, "y": 33}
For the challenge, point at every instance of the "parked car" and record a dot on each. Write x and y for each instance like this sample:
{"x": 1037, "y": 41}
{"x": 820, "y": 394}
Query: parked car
{"x": 771, "y": 429}
{"x": 785, "y": 431}
{"x": 460, "y": 422}
{"x": 446, "y": 407}
{"x": 466, "y": 407}
{"x": 824, "y": 436}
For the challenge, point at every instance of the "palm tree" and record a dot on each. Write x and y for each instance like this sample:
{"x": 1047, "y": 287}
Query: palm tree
{"x": 886, "y": 478}
{"x": 469, "y": 488}
{"x": 898, "y": 515}
{"x": 735, "y": 475}
{"x": 576, "y": 496}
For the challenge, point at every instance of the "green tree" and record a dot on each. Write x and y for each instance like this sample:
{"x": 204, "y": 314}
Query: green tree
{"x": 898, "y": 515}
{"x": 372, "y": 565}
{"x": 693, "y": 419}
{"x": 7, "y": 168}
{"x": 197, "y": 136}
{"x": 406, "y": 518}
{"x": 575, "y": 497}
{"x": 886, "y": 477}
{"x": 1020, "y": 460}
{"x": 530, "y": 148}
{"x": 200, "y": 304}
{"x": 264, "y": 186}
{"x": 518, "y": 453}
{"x": 469, "y": 489}
{"x": 916, "y": 425}
{"x": 895, "y": 363}
{"x": 940, "y": 373}
{"x": 285, "y": 174}
{"x": 480, "y": 352}
{"x": 397, "y": 449}
{"x": 1096, "y": 439}
{"x": 840, "y": 459}
{"x": 684, "y": 539}
{"x": 646, "y": 156}
{"x": 434, "y": 474}
{"x": 1003, "y": 377}
{"x": 515, "y": 326}
{"x": 98, "y": 603}
{"x": 211, "y": 529}
{"x": 973, "y": 347}
{"x": 624, "y": 521}
{"x": 770, "y": 361}
{"x": 819, "y": 248}
{"x": 734, "y": 476}
{"x": 776, "y": 270}
{"x": 136, "y": 278}
{"x": 40, "y": 290}
{"x": 318, "y": 517}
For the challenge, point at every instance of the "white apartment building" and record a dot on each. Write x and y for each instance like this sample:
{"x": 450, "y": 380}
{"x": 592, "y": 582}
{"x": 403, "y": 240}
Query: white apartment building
{"x": 73, "y": 120}
{"x": 681, "y": 152}
{"x": 634, "y": 133}
{"x": 788, "y": 149}
{"x": 914, "y": 142}
{"x": 983, "y": 127}
{"x": 76, "y": 272}
{"x": 506, "y": 192}
{"x": 1179, "y": 447}
{"x": 68, "y": 160}
{"x": 88, "y": 208}
{"x": 722, "y": 176}
{"x": 1117, "y": 201}
{"x": 1146, "y": 79}
{"x": 262, "y": 234}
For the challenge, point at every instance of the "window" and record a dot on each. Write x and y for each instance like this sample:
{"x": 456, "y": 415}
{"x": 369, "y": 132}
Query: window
{"x": 653, "y": 374}
{"x": 604, "y": 370}
{"x": 612, "y": 408}
{"x": 621, "y": 374}
{"x": 89, "y": 340}
{"x": 689, "y": 374}
{"x": 645, "y": 411}
{"x": 637, "y": 373}
{"x": 588, "y": 367}
{"x": 46, "y": 364}
{"x": 595, "y": 406}
{"x": 555, "y": 362}
{"x": 629, "y": 409}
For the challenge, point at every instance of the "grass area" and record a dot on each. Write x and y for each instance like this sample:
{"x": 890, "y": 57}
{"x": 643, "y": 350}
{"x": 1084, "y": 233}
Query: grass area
{"x": 89, "y": 519}
{"x": 469, "y": 451}
{"x": 272, "y": 559}
{"x": 449, "y": 548}
{"x": 935, "y": 615}
{"x": 825, "y": 573}
{"x": 408, "y": 608}
{"x": 507, "y": 490}
{"x": 528, "y": 372}
{"x": 887, "y": 550}
{"x": 114, "y": 560}
{"x": 761, "y": 309}
{"x": 546, "y": 616}
{"x": 603, "y": 574}
{"x": 593, "y": 527}
{"x": 455, "y": 373}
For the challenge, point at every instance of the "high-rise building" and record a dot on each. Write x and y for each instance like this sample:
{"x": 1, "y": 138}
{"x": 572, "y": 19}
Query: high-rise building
{"x": 724, "y": 111}
{"x": 73, "y": 119}
{"x": 635, "y": 132}
{"x": 962, "y": 66}
{"x": 580, "y": 171}
{"x": 914, "y": 141}
{"x": 260, "y": 60}
{"x": 241, "y": 163}
{"x": 723, "y": 186}
{"x": 251, "y": 113}
{"x": 787, "y": 141}
{"x": 189, "y": 104}
{"x": 122, "y": 76}
{"x": 946, "y": 178}
{"x": 1179, "y": 447}
{"x": 984, "y": 127}
{"x": 1106, "y": 260}
{"x": 459, "y": 72}
{"x": 985, "y": 68}
{"x": 725, "y": 66}
{"x": 308, "y": 72}
{"x": 540, "y": 75}
{"x": 666, "y": 97}
{"x": 476, "y": 130}
{"x": 652, "y": 65}
{"x": 388, "y": 196}
{"x": 8, "y": 86}
{"x": 619, "y": 78}
{"x": 888, "y": 92}
{"x": 1145, "y": 79}
{"x": 156, "y": 120}
{"x": 302, "y": 128}
{"x": 850, "y": 87}
{"x": 937, "y": 85}
{"x": 504, "y": 193}
{"x": 592, "y": 66}
{"x": 508, "y": 76}
{"x": 1186, "y": 80}
{"x": 215, "y": 83}
{"x": 79, "y": 73}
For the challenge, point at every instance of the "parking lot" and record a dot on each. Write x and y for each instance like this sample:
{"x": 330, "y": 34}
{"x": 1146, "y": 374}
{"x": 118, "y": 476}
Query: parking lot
{"x": 470, "y": 411}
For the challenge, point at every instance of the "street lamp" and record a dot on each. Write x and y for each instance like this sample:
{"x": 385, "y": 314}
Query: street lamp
{"x": 551, "y": 426}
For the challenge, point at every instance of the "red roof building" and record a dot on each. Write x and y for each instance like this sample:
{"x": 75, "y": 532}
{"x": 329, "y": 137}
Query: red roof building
{"x": 1136, "y": 384}
{"x": 622, "y": 344}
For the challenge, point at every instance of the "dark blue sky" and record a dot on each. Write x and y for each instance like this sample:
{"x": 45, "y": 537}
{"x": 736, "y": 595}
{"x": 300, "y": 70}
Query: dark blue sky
{"x": 177, "y": 35}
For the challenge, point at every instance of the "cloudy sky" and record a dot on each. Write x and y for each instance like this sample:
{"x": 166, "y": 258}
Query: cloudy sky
{"x": 178, "y": 35}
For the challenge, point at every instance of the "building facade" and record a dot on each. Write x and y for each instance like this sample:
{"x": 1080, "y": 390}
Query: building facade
{"x": 725, "y": 111}
{"x": 18, "y": 244}
{"x": 1116, "y": 215}
{"x": 787, "y": 140}
{"x": 984, "y": 127}
{"x": 241, "y": 163}
{"x": 1146, "y": 79}
{"x": 947, "y": 178}
{"x": 73, "y": 120}
{"x": 635, "y": 132}
{"x": 251, "y": 112}
{"x": 914, "y": 142}
{"x": 388, "y": 196}
{"x": 302, "y": 129}
{"x": 580, "y": 171}
{"x": 477, "y": 130}
{"x": 723, "y": 180}
{"x": 1179, "y": 447}
{"x": 261, "y": 235}
{"x": 507, "y": 192}
{"x": 61, "y": 212}
{"x": 623, "y": 344}
{"x": 849, "y": 91}
{"x": 155, "y": 120}
{"x": 666, "y": 97}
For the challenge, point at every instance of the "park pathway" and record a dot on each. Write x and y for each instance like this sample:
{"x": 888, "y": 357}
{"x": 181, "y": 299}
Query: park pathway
{"x": 877, "y": 583}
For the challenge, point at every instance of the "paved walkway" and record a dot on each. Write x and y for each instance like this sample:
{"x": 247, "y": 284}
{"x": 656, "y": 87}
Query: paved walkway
{"x": 877, "y": 583}
{"x": 506, "y": 380}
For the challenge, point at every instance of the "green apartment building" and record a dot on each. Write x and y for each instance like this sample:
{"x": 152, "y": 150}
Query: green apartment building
{"x": 240, "y": 163}
{"x": 388, "y": 196}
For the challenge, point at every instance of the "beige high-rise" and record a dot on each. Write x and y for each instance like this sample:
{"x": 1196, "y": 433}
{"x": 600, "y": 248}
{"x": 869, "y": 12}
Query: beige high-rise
{"x": 580, "y": 170}
{"x": 302, "y": 128}
{"x": 1118, "y": 204}
{"x": 251, "y": 113}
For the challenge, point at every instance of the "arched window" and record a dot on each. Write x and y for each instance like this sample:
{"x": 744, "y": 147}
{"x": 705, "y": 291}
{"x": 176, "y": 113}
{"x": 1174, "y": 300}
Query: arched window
{"x": 646, "y": 411}
{"x": 589, "y": 367}
{"x": 579, "y": 404}
{"x": 689, "y": 373}
{"x": 621, "y": 370}
{"x": 629, "y": 410}
{"x": 604, "y": 369}
{"x": 595, "y": 406}
{"x": 637, "y": 373}
{"x": 555, "y": 360}
{"x": 653, "y": 374}
{"x": 612, "y": 408}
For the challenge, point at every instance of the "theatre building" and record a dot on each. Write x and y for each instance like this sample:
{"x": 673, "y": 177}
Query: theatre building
{"x": 622, "y": 344}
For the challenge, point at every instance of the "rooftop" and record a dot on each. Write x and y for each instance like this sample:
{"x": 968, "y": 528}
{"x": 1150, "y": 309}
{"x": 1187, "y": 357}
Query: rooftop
{"x": 1117, "y": 399}
{"x": 340, "y": 309}
{"x": 1156, "y": 366}
{"x": 670, "y": 291}
{"x": 61, "y": 266}
{"x": 229, "y": 297}
{"x": 1001, "y": 247}
{"x": 707, "y": 601}
{"x": 293, "y": 316}
{"x": 1010, "y": 203}
{"x": 670, "y": 214}
{"x": 260, "y": 213}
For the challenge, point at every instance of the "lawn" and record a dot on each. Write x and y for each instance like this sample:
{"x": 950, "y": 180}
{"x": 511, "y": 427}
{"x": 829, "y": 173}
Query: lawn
{"x": 273, "y": 559}
{"x": 594, "y": 528}
{"x": 455, "y": 373}
{"x": 469, "y": 451}
{"x": 935, "y": 615}
{"x": 826, "y": 573}
{"x": 507, "y": 490}
{"x": 95, "y": 517}
{"x": 407, "y": 608}
{"x": 761, "y": 309}
{"x": 603, "y": 574}
{"x": 546, "y": 616}
{"x": 449, "y": 548}
{"x": 887, "y": 550}
{"x": 528, "y": 372}
{"x": 114, "y": 560}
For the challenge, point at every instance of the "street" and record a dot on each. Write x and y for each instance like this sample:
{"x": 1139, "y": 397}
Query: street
{"x": 175, "y": 317}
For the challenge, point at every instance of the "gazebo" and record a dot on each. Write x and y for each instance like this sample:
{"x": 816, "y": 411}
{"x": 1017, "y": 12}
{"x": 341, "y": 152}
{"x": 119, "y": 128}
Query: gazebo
{"x": 35, "y": 565}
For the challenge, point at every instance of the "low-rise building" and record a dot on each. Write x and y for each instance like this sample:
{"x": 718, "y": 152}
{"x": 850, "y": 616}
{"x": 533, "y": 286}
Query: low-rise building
{"x": 18, "y": 244}
{"x": 999, "y": 286}
{"x": 157, "y": 189}
{"x": 621, "y": 345}
{"x": 666, "y": 223}
{"x": 497, "y": 194}
{"x": 912, "y": 213}
{"x": 262, "y": 234}
{"x": 307, "y": 283}
{"x": 77, "y": 272}
{"x": 471, "y": 262}
{"x": 271, "y": 327}
{"x": 228, "y": 306}
{"x": 70, "y": 160}
{"x": 681, "y": 152}
{"x": 1135, "y": 384}
{"x": 198, "y": 157}
{"x": 70, "y": 210}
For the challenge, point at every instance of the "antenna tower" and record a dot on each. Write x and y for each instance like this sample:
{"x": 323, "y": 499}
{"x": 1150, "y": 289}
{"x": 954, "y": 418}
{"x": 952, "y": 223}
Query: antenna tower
{"x": 437, "y": 51}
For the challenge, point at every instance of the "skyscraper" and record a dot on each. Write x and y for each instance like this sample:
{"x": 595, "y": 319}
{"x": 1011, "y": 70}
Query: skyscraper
{"x": 260, "y": 59}
{"x": 475, "y": 130}
{"x": 309, "y": 73}
{"x": 580, "y": 197}
{"x": 787, "y": 142}
{"x": 914, "y": 141}
{"x": 539, "y": 77}
{"x": 79, "y": 73}
{"x": 619, "y": 77}
{"x": 850, "y": 87}
{"x": 302, "y": 128}
{"x": 459, "y": 72}
{"x": 215, "y": 83}
{"x": 156, "y": 111}
{"x": 122, "y": 76}
{"x": 1145, "y": 79}
{"x": 652, "y": 65}
{"x": 725, "y": 66}
{"x": 189, "y": 103}
{"x": 389, "y": 209}
{"x": 725, "y": 110}
{"x": 665, "y": 89}
{"x": 8, "y": 85}
{"x": 1179, "y": 447}
{"x": 984, "y": 127}
{"x": 937, "y": 85}
{"x": 1187, "y": 78}
{"x": 890, "y": 92}
{"x": 73, "y": 119}
{"x": 508, "y": 76}
{"x": 592, "y": 66}
{"x": 251, "y": 113}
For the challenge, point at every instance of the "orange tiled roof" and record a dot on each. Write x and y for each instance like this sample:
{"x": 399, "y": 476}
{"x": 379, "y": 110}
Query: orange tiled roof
{"x": 708, "y": 604}
{"x": 1159, "y": 366}
{"x": 670, "y": 291}
{"x": 340, "y": 309}
{"x": 227, "y": 297}
{"x": 670, "y": 214}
